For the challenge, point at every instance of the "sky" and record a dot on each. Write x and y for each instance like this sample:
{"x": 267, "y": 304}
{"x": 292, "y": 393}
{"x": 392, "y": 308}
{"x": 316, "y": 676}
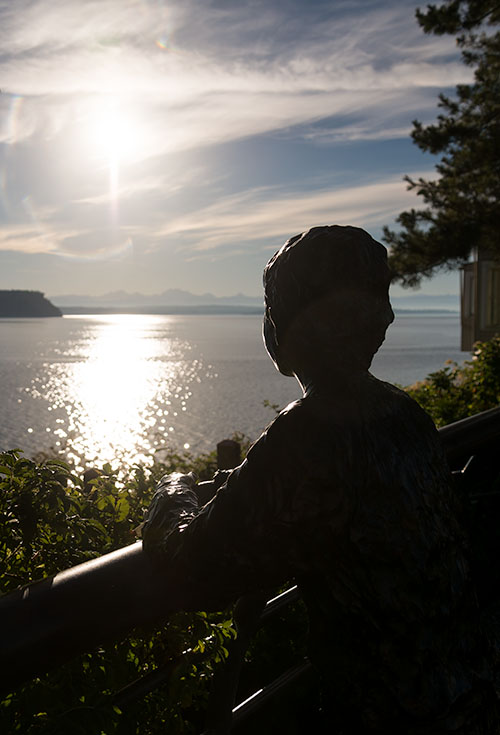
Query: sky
{"x": 148, "y": 145}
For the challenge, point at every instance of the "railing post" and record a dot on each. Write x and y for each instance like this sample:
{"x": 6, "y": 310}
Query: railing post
{"x": 228, "y": 454}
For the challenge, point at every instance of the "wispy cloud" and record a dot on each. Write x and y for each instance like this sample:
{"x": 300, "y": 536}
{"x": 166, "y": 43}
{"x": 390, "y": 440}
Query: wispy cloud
{"x": 76, "y": 244}
{"x": 224, "y": 73}
{"x": 194, "y": 87}
{"x": 27, "y": 239}
{"x": 131, "y": 189}
{"x": 267, "y": 215}
{"x": 262, "y": 215}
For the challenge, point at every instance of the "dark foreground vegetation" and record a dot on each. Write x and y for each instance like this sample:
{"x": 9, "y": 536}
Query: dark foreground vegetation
{"x": 52, "y": 518}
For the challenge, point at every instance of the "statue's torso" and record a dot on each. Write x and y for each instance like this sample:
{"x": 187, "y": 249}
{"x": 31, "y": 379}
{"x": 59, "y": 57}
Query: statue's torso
{"x": 377, "y": 550}
{"x": 349, "y": 492}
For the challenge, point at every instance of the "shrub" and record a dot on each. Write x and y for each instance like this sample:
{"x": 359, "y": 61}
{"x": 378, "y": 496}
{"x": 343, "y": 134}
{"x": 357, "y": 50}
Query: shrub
{"x": 455, "y": 391}
{"x": 52, "y": 519}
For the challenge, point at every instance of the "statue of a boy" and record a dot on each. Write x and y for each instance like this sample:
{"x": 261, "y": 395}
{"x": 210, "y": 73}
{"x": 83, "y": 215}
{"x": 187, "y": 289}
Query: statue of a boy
{"x": 348, "y": 492}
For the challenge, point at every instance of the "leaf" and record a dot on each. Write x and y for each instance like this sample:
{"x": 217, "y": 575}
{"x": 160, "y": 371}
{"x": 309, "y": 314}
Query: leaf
{"x": 97, "y": 524}
{"x": 102, "y": 503}
{"x": 122, "y": 509}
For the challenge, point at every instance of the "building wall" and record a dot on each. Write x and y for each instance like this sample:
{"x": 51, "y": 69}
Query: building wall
{"x": 480, "y": 301}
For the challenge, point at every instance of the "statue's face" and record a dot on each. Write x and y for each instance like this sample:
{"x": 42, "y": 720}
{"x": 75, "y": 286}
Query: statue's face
{"x": 361, "y": 317}
{"x": 271, "y": 343}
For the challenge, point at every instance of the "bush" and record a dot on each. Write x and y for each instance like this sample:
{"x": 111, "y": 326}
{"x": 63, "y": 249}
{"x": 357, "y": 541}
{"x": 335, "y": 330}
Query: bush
{"x": 455, "y": 391}
{"x": 52, "y": 519}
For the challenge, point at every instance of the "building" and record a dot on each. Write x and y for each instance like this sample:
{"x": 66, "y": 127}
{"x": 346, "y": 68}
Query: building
{"x": 480, "y": 300}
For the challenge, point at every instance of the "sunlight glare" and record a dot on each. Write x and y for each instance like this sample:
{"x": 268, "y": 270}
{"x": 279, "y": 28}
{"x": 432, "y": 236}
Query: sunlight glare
{"x": 112, "y": 131}
{"x": 118, "y": 389}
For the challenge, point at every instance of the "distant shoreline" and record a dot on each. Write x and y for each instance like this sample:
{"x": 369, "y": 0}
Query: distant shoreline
{"x": 18, "y": 304}
{"x": 194, "y": 309}
{"x": 444, "y": 312}
{"x": 212, "y": 309}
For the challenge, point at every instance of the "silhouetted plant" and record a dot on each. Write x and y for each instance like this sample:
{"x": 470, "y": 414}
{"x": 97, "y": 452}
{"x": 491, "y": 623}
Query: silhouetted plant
{"x": 52, "y": 519}
{"x": 457, "y": 391}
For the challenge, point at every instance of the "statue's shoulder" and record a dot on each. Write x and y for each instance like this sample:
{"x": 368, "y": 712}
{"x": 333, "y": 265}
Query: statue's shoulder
{"x": 398, "y": 400}
{"x": 320, "y": 422}
{"x": 284, "y": 424}
{"x": 283, "y": 435}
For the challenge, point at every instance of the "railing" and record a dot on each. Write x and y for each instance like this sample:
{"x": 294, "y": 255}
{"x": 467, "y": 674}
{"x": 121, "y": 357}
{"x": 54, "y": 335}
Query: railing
{"x": 45, "y": 623}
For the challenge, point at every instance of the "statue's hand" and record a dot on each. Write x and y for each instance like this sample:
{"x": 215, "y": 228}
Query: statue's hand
{"x": 174, "y": 504}
{"x": 206, "y": 490}
{"x": 176, "y": 481}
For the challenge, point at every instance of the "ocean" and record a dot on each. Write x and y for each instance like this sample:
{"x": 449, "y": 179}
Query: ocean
{"x": 125, "y": 388}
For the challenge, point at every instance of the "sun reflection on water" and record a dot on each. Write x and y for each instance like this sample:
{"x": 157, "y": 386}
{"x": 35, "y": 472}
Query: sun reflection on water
{"x": 116, "y": 391}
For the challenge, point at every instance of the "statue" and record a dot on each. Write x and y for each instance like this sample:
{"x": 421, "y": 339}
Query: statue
{"x": 348, "y": 492}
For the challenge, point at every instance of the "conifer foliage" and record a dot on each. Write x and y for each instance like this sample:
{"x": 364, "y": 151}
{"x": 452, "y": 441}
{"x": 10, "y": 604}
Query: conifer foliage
{"x": 462, "y": 206}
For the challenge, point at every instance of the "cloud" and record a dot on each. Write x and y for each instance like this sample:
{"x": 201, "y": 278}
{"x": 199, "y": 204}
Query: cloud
{"x": 188, "y": 76}
{"x": 269, "y": 215}
{"x": 28, "y": 239}
{"x": 96, "y": 246}
{"x": 262, "y": 215}
{"x": 225, "y": 72}
{"x": 132, "y": 189}
{"x": 47, "y": 26}
{"x": 88, "y": 245}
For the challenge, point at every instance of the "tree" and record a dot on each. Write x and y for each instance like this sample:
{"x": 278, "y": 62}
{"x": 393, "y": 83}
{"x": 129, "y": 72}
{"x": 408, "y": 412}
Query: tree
{"x": 462, "y": 206}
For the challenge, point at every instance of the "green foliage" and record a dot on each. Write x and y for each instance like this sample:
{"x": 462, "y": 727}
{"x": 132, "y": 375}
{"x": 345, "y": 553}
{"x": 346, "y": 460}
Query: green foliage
{"x": 455, "y": 392}
{"x": 462, "y": 205}
{"x": 275, "y": 407}
{"x": 458, "y": 16}
{"x": 51, "y": 519}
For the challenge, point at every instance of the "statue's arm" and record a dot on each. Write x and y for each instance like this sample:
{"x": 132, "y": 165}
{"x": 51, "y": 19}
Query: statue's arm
{"x": 206, "y": 490}
{"x": 236, "y": 543}
{"x": 176, "y": 502}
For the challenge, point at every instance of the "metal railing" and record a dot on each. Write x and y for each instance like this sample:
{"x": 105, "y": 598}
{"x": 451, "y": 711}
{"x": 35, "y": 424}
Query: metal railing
{"x": 48, "y": 622}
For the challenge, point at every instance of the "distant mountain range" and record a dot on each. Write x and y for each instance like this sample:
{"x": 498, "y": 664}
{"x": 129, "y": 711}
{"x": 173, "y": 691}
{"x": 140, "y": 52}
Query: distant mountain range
{"x": 170, "y": 297}
{"x": 175, "y": 300}
{"x": 424, "y": 302}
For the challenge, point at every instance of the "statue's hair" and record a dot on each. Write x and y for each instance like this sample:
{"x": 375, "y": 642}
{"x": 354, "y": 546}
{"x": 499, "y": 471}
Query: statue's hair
{"x": 325, "y": 287}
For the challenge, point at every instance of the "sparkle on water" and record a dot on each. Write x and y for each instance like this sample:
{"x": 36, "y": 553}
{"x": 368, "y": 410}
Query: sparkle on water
{"x": 127, "y": 388}
{"x": 120, "y": 391}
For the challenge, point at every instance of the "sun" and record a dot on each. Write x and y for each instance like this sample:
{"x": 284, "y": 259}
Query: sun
{"x": 112, "y": 131}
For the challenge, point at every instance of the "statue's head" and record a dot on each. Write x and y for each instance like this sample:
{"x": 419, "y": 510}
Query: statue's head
{"x": 327, "y": 302}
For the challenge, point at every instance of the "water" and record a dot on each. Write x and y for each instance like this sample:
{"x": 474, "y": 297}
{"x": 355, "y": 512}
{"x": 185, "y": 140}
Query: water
{"x": 122, "y": 388}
